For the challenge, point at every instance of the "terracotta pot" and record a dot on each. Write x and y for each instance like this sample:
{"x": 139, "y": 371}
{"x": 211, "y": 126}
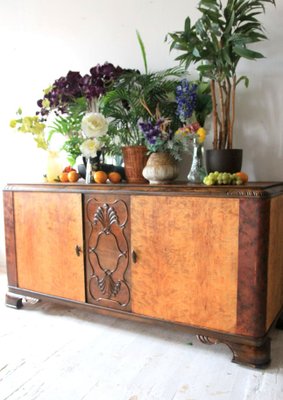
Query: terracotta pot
{"x": 160, "y": 168}
{"x": 224, "y": 160}
{"x": 135, "y": 158}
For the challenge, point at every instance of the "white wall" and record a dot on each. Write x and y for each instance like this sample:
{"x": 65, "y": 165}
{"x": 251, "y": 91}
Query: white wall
{"x": 42, "y": 40}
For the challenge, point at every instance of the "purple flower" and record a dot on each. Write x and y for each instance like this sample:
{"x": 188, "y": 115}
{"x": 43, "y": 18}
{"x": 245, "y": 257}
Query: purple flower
{"x": 186, "y": 97}
{"x": 91, "y": 86}
{"x": 101, "y": 76}
{"x": 152, "y": 130}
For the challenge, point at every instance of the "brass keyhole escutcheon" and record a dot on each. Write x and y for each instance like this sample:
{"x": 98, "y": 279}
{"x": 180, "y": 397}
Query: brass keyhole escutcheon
{"x": 78, "y": 250}
{"x": 134, "y": 256}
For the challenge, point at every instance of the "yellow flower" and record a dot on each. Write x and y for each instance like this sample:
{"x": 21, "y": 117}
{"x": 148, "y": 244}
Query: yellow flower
{"x": 47, "y": 90}
{"x": 201, "y": 134}
{"x": 45, "y": 103}
{"x": 184, "y": 131}
{"x": 26, "y": 125}
{"x": 38, "y": 128}
{"x": 41, "y": 142}
{"x": 13, "y": 123}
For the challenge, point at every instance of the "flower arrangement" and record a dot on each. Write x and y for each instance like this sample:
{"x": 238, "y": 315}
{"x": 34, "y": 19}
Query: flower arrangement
{"x": 159, "y": 136}
{"x": 75, "y": 100}
{"x": 71, "y": 107}
{"x": 94, "y": 127}
{"x": 33, "y": 125}
{"x": 188, "y": 98}
{"x": 193, "y": 131}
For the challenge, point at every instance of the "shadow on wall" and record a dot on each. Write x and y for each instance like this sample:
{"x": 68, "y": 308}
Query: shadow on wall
{"x": 184, "y": 167}
{"x": 262, "y": 160}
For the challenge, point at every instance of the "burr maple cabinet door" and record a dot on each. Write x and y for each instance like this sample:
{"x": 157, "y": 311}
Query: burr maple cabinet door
{"x": 186, "y": 259}
{"x": 107, "y": 232}
{"x": 48, "y": 227}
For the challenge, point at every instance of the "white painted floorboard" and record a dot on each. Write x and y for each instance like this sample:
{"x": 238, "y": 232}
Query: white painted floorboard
{"x": 53, "y": 352}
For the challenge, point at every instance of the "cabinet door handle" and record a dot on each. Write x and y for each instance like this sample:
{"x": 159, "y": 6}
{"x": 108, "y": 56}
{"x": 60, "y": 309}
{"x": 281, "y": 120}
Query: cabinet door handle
{"x": 78, "y": 250}
{"x": 134, "y": 256}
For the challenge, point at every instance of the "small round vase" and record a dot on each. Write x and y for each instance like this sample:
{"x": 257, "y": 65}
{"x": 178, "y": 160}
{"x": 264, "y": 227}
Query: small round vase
{"x": 160, "y": 168}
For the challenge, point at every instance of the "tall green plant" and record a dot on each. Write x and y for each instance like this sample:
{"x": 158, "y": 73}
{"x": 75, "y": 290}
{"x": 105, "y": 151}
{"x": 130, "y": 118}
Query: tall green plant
{"x": 124, "y": 103}
{"x": 216, "y": 43}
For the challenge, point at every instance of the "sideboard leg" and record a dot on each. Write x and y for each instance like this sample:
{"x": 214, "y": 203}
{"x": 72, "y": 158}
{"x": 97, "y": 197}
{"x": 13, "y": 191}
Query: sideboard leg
{"x": 279, "y": 324}
{"x": 252, "y": 356}
{"x": 14, "y": 300}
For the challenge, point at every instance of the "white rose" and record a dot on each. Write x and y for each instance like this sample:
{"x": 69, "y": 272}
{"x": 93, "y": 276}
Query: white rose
{"x": 94, "y": 125}
{"x": 89, "y": 148}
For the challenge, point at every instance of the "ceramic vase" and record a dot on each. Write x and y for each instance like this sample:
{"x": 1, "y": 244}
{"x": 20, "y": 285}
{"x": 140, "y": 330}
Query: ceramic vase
{"x": 160, "y": 168}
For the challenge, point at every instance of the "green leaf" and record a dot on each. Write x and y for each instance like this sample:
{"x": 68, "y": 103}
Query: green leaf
{"x": 245, "y": 79}
{"x": 142, "y": 51}
{"x": 247, "y": 53}
{"x": 187, "y": 25}
{"x": 196, "y": 52}
{"x": 230, "y": 23}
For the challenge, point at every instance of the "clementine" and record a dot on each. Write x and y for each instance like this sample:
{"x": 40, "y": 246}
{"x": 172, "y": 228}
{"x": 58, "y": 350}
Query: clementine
{"x": 64, "y": 177}
{"x": 243, "y": 176}
{"x": 73, "y": 176}
{"x": 100, "y": 177}
{"x": 114, "y": 177}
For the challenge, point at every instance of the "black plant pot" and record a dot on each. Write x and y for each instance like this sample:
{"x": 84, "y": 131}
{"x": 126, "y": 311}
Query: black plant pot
{"x": 97, "y": 165}
{"x": 224, "y": 160}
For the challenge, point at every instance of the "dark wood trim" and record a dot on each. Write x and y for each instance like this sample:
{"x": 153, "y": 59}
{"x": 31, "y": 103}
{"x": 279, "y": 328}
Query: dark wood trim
{"x": 191, "y": 329}
{"x": 252, "y": 267}
{"x": 250, "y": 190}
{"x": 14, "y": 300}
{"x": 11, "y": 258}
{"x": 256, "y": 356}
{"x": 251, "y": 356}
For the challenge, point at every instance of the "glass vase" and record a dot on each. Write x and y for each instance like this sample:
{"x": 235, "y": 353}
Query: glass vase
{"x": 88, "y": 171}
{"x": 198, "y": 170}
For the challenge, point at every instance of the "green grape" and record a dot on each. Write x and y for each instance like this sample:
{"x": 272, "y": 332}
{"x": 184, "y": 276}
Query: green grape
{"x": 222, "y": 178}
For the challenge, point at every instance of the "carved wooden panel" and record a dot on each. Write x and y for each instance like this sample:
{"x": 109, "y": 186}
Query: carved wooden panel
{"x": 275, "y": 261}
{"x": 107, "y": 227}
{"x": 187, "y": 259}
{"x": 48, "y": 228}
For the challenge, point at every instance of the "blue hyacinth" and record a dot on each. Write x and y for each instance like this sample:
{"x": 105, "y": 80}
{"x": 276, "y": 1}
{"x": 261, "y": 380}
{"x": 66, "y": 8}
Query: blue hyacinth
{"x": 186, "y": 97}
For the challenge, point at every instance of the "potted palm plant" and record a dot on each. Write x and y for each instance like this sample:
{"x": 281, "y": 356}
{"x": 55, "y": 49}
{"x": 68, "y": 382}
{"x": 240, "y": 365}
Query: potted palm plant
{"x": 216, "y": 43}
{"x": 124, "y": 107}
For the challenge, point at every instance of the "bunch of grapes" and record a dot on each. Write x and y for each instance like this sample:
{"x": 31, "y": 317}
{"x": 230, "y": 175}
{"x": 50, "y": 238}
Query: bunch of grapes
{"x": 222, "y": 178}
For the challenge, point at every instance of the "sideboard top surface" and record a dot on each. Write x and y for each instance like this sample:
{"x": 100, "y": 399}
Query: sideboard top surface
{"x": 249, "y": 190}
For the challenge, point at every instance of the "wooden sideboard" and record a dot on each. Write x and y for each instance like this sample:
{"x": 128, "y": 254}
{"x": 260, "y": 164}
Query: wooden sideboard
{"x": 209, "y": 259}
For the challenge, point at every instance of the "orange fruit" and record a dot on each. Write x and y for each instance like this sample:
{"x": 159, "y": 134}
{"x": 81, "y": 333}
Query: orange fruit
{"x": 100, "y": 176}
{"x": 114, "y": 177}
{"x": 64, "y": 177}
{"x": 73, "y": 176}
{"x": 243, "y": 176}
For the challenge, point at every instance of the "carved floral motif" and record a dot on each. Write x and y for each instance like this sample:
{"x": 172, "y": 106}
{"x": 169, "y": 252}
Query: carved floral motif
{"x": 108, "y": 252}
